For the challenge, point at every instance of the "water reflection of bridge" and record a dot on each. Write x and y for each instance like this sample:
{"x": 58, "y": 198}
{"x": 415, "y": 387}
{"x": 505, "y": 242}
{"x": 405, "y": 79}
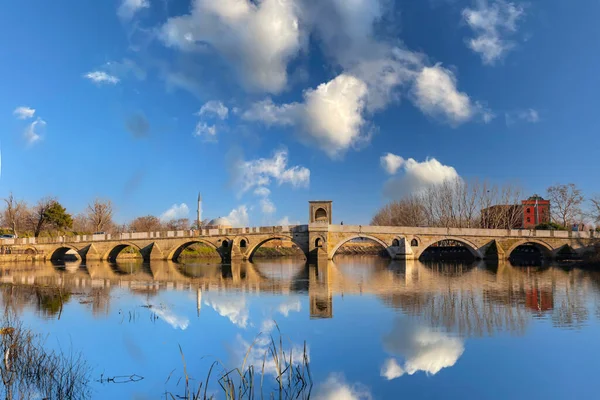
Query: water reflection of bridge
{"x": 475, "y": 299}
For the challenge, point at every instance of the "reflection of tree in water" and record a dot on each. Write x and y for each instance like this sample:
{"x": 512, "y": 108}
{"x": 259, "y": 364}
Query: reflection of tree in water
{"x": 570, "y": 309}
{"x": 49, "y": 301}
{"x": 482, "y": 301}
{"x": 467, "y": 312}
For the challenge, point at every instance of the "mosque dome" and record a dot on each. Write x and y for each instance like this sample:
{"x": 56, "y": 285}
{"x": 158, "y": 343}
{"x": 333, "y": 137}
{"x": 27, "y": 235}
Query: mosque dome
{"x": 221, "y": 222}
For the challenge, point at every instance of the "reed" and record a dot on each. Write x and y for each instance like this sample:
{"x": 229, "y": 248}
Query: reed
{"x": 29, "y": 371}
{"x": 291, "y": 380}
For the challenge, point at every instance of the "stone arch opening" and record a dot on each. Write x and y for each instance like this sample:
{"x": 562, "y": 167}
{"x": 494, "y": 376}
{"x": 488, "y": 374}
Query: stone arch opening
{"x": 450, "y": 249}
{"x": 225, "y": 244}
{"x": 321, "y": 215}
{"x": 529, "y": 252}
{"x": 196, "y": 249}
{"x": 362, "y": 245}
{"x": 277, "y": 246}
{"x": 395, "y": 243}
{"x": 124, "y": 251}
{"x": 318, "y": 243}
{"x": 414, "y": 243}
{"x": 65, "y": 254}
{"x": 243, "y": 244}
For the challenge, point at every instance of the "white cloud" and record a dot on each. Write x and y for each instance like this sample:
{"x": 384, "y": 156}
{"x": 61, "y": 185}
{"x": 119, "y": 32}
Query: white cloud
{"x": 32, "y": 131}
{"x": 437, "y": 96}
{"x": 490, "y": 22}
{"x": 260, "y": 172}
{"x": 24, "y": 112}
{"x": 214, "y": 107}
{"x": 239, "y": 217}
{"x": 176, "y": 321}
{"x": 262, "y": 191}
{"x": 416, "y": 177}
{"x": 102, "y": 77}
{"x": 205, "y": 131}
{"x": 331, "y": 116}
{"x": 423, "y": 349}
{"x": 391, "y": 370}
{"x": 336, "y": 388}
{"x": 123, "y": 68}
{"x": 175, "y": 212}
{"x": 129, "y": 8}
{"x": 391, "y": 163}
{"x": 258, "y": 39}
{"x": 530, "y": 115}
{"x": 267, "y": 206}
{"x": 233, "y": 308}
{"x": 285, "y": 221}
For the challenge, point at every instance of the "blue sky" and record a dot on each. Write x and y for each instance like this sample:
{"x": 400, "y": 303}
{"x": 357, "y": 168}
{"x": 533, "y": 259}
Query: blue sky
{"x": 264, "y": 105}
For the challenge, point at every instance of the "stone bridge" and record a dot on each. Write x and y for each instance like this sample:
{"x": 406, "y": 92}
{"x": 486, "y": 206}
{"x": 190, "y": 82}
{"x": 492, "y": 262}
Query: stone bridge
{"x": 320, "y": 239}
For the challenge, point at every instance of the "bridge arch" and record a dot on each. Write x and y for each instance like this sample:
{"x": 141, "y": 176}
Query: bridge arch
{"x": 373, "y": 238}
{"x": 472, "y": 247}
{"x": 112, "y": 254}
{"x": 546, "y": 249}
{"x": 58, "y": 253}
{"x": 179, "y": 248}
{"x": 252, "y": 249}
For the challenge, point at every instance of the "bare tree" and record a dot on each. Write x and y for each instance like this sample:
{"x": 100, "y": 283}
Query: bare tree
{"x": 406, "y": 212}
{"x": 100, "y": 213}
{"x": 37, "y": 216}
{"x": 148, "y": 223}
{"x": 456, "y": 204}
{"x": 180, "y": 224}
{"x": 565, "y": 202}
{"x": 595, "y": 212}
{"x": 15, "y": 213}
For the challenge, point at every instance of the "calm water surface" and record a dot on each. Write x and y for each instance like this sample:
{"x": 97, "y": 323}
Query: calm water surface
{"x": 372, "y": 327}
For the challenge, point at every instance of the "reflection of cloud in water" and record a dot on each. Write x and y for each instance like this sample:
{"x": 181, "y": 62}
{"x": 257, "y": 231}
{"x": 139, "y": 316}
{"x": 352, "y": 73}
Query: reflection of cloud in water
{"x": 260, "y": 347}
{"x": 233, "y": 308}
{"x": 423, "y": 349}
{"x": 176, "y": 321}
{"x": 289, "y": 305}
{"x": 391, "y": 370}
{"x": 336, "y": 388}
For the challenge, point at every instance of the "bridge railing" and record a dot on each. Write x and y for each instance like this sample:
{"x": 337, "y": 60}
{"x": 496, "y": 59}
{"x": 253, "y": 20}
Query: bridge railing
{"x": 411, "y": 230}
{"x": 125, "y": 236}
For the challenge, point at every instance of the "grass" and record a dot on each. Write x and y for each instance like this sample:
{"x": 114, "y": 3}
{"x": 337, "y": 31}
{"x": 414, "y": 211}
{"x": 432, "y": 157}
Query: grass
{"x": 30, "y": 371}
{"x": 292, "y": 379}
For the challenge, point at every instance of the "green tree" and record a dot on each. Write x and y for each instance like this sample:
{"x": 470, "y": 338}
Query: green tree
{"x": 57, "y": 216}
{"x": 46, "y": 212}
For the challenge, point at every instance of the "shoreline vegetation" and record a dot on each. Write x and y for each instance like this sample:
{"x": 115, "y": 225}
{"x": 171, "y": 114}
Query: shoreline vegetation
{"x": 29, "y": 371}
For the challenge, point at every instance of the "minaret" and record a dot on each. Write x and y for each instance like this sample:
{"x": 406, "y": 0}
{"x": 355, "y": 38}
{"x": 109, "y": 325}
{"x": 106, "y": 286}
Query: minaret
{"x": 199, "y": 211}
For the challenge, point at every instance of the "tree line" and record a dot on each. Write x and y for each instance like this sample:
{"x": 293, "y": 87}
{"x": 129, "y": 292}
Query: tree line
{"x": 461, "y": 204}
{"x": 48, "y": 217}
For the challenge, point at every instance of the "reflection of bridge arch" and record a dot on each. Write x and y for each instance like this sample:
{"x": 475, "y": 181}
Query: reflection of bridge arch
{"x": 472, "y": 247}
{"x": 373, "y": 238}
{"x": 251, "y": 249}
{"x": 177, "y": 250}
{"x": 544, "y": 247}
{"x": 114, "y": 252}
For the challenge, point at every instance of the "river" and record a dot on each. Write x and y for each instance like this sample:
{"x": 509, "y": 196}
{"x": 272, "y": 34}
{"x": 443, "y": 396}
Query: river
{"x": 366, "y": 327}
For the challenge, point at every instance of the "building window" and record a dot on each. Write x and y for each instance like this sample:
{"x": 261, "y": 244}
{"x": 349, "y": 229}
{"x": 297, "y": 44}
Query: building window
{"x": 528, "y": 210}
{"x": 528, "y": 219}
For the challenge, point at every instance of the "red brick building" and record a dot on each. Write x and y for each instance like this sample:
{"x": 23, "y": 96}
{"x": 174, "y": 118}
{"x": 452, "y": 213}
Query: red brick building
{"x": 536, "y": 211}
